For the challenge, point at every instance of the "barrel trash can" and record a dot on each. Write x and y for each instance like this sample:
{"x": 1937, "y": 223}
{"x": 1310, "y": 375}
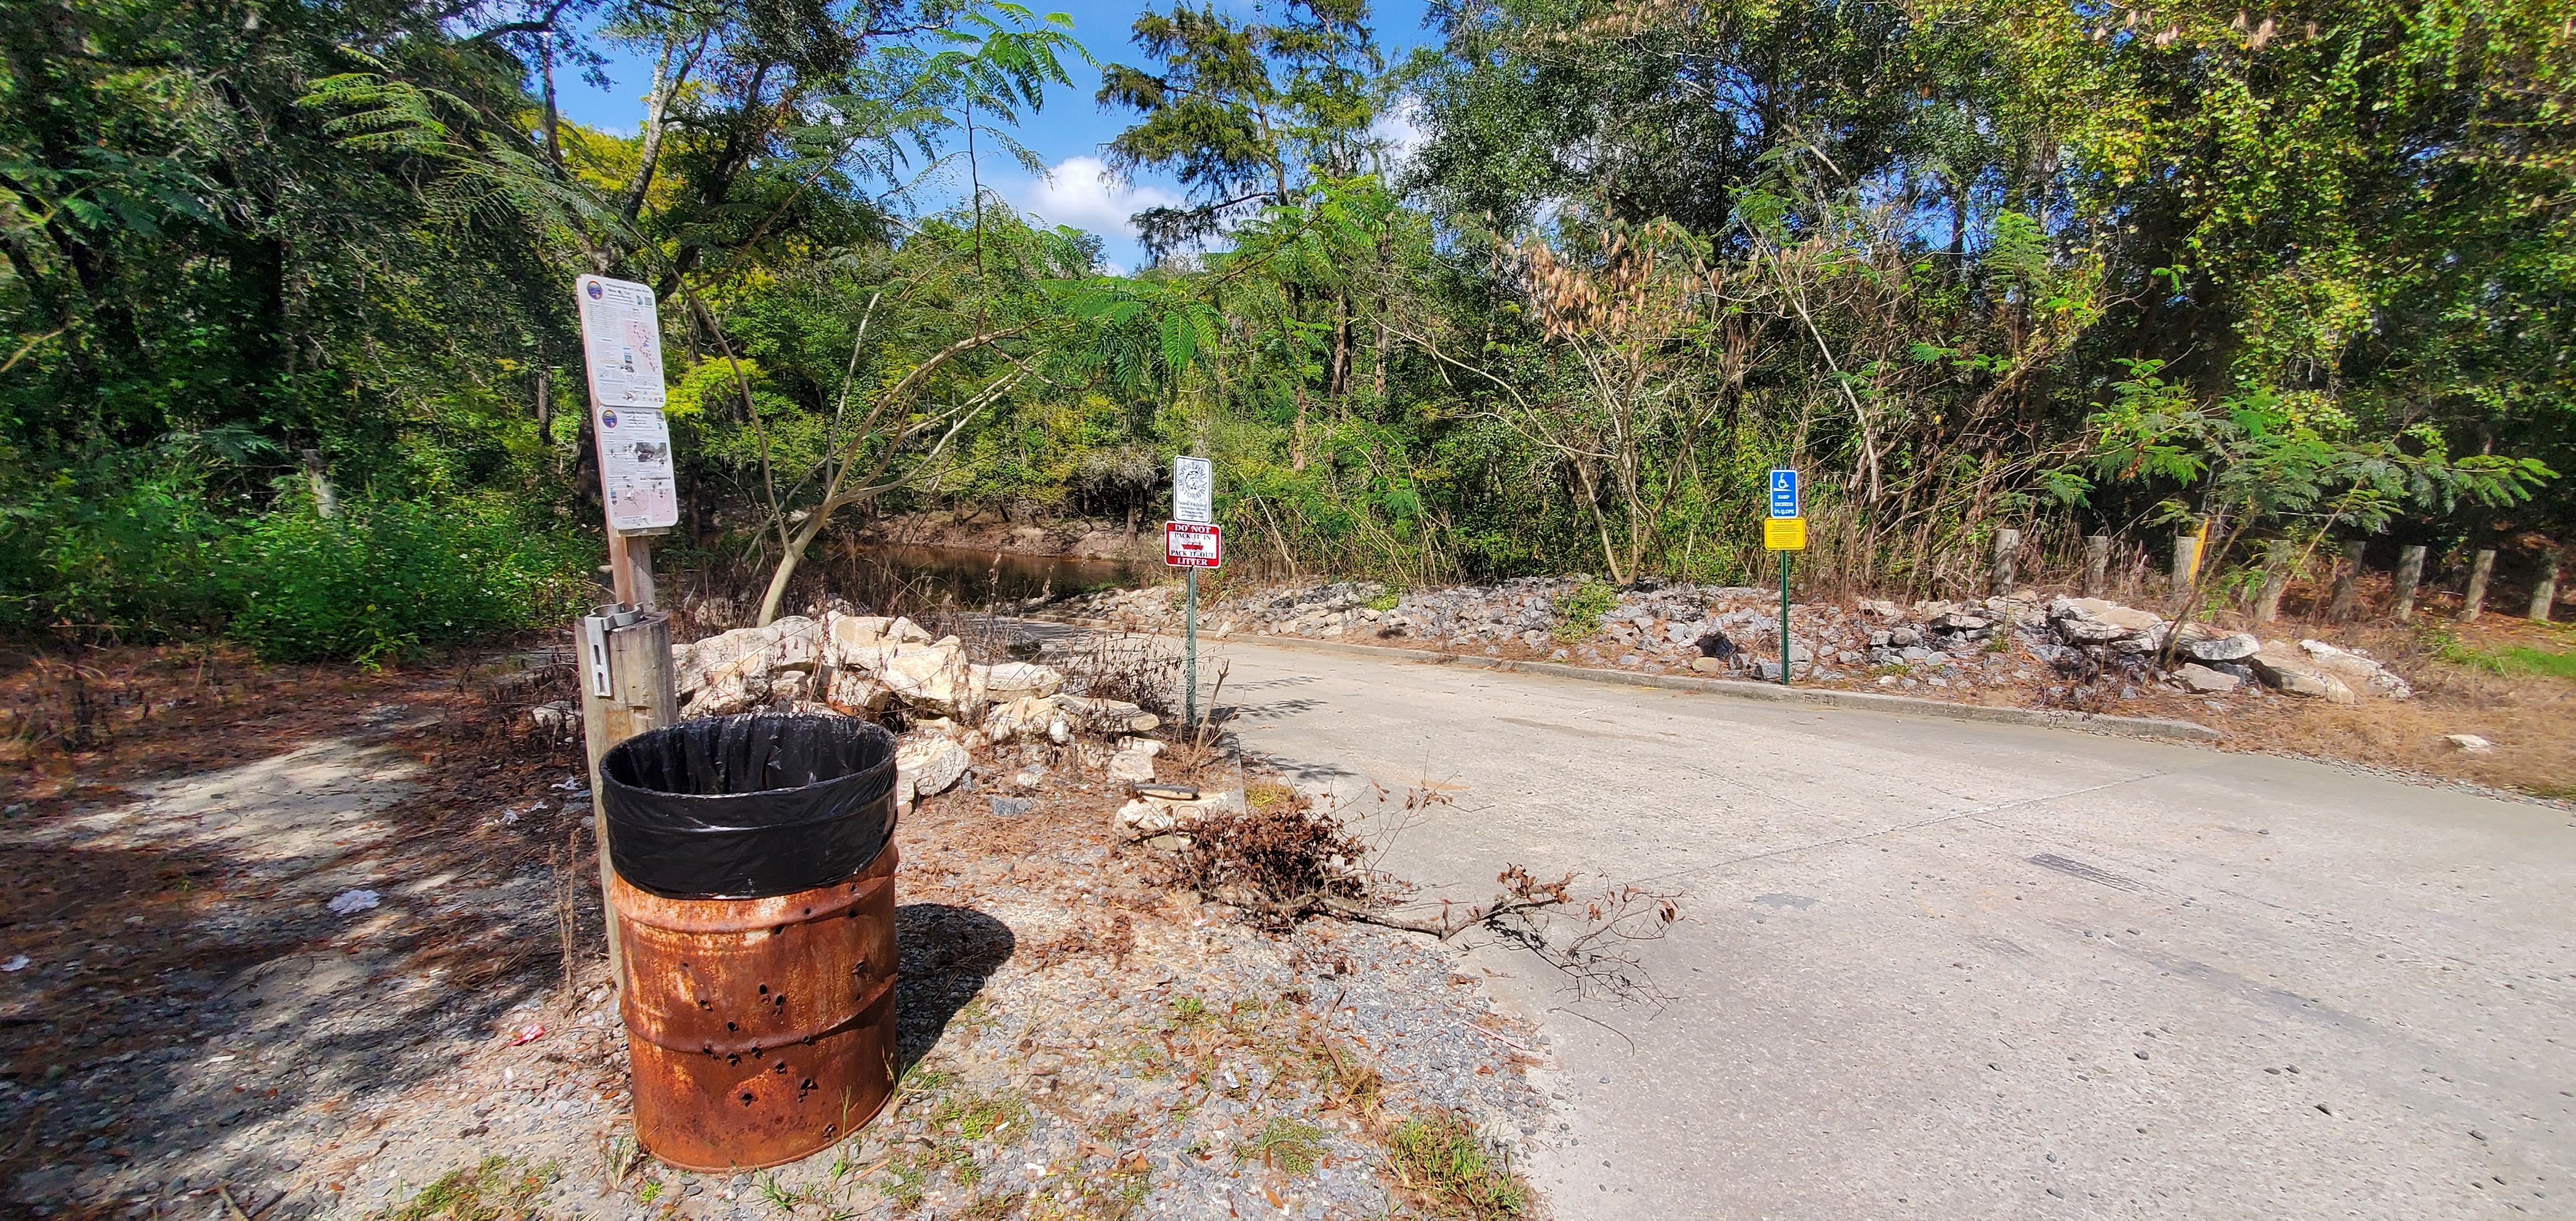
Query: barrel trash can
{"x": 754, "y": 889}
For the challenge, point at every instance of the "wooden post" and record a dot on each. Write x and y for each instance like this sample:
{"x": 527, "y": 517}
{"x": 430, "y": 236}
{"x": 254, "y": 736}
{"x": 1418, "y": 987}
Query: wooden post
{"x": 2007, "y": 548}
{"x": 2347, "y": 582}
{"x": 2475, "y": 600}
{"x": 2410, "y": 573}
{"x": 621, "y": 580}
{"x": 630, "y": 568}
{"x": 639, "y": 574}
{"x": 2545, "y": 593}
{"x": 640, "y": 698}
{"x": 326, "y": 499}
{"x": 2186, "y": 563}
{"x": 2097, "y": 565}
{"x": 2276, "y": 579}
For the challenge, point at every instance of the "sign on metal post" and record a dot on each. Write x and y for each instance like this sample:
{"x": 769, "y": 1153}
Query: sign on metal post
{"x": 1784, "y": 531}
{"x": 1784, "y": 494}
{"x": 621, "y": 336}
{"x": 1192, "y": 541}
{"x": 1190, "y": 545}
{"x": 1193, "y": 490}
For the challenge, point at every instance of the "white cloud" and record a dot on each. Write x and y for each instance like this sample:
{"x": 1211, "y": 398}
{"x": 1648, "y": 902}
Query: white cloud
{"x": 1079, "y": 192}
{"x": 1399, "y": 128}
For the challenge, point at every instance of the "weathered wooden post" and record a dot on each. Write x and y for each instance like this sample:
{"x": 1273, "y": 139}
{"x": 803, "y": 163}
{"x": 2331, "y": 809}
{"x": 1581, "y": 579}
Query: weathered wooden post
{"x": 2007, "y": 549}
{"x": 2097, "y": 565}
{"x": 2186, "y": 563}
{"x": 2276, "y": 579}
{"x": 2410, "y": 573}
{"x": 626, "y": 689}
{"x": 2545, "y": 592}
{"x": 2347, "y": 582}
{"x": 2475, "y": 600}
{"x": 627, "y": 683}
{"x": 326, "y": 499}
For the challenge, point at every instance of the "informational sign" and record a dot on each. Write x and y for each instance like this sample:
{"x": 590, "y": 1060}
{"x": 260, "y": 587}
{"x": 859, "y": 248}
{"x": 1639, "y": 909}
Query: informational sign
{"x": 1784, "y": 498}
{"x": 1193, "y": 490}
{"x": 635, "y": 468}
{"x": 1784, "y": 534}
{"x": 621, "y": 338}
{"x": 1188, "y": 544}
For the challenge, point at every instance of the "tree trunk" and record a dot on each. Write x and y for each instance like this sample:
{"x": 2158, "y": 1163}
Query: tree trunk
{"x": 793, "y": 555}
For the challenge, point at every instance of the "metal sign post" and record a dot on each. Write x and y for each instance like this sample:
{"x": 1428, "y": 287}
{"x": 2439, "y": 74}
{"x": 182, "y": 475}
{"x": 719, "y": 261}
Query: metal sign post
{"x": 1191, "y": 541}
{"x": 1784, "y": 532}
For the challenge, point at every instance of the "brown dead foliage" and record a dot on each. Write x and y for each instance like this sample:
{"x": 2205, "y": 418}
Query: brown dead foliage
{"x": 1279, "y": 861}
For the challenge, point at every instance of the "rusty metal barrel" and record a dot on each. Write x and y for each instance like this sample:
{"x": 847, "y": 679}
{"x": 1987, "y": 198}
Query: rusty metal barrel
{"x": 754, "y": 890}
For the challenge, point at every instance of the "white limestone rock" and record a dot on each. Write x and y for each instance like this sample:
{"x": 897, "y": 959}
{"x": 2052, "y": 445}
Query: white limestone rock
{"x": 2202, "y": 680}
{"x": 926, "y": 764}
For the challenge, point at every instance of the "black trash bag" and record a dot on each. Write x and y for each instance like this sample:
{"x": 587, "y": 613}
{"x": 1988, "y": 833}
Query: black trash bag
{"x": 745, "y": 807}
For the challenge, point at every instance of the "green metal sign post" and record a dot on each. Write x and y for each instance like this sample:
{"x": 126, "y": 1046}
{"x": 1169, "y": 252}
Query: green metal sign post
{"x": 1191, "y": 541}
{"x": 1785, "y": 531}
{"x": 1784, "y": 618}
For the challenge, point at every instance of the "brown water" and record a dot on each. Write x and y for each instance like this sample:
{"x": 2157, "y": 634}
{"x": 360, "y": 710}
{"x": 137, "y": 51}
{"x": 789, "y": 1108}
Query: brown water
{"x": 967, "y": 577}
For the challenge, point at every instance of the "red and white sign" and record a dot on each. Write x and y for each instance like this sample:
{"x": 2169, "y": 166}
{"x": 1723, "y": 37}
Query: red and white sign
{"x": 1188, "y": 544}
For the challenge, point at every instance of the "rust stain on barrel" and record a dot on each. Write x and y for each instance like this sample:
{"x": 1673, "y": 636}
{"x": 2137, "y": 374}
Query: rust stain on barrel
{"x": 761, "y": 1030}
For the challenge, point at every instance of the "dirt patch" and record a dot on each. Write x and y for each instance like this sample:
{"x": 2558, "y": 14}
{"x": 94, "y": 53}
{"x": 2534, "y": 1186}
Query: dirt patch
{"x": 296, "y": 952}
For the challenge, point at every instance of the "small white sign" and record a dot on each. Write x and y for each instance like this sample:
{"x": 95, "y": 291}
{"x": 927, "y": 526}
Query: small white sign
{"x": 621, "y": 339}
{"x": 1193, "y": 490}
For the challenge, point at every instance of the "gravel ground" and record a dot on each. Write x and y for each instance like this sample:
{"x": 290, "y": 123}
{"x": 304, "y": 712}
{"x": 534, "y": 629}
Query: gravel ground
{"x": 196, "y": 1032}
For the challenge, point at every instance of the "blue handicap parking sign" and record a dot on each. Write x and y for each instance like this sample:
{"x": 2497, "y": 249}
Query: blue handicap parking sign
{"x": 1784, "y": 494}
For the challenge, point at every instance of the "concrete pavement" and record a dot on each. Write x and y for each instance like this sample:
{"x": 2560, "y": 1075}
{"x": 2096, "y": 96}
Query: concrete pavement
{"x": 1940, "y": 969}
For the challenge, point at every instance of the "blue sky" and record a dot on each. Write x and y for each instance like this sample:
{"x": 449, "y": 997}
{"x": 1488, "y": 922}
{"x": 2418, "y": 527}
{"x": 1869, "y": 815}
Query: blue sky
{"x": 1067, "y": 134}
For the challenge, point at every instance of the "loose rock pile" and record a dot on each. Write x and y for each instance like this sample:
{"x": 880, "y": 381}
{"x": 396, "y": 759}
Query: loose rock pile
{"x": 870, "y": 665}
{"x": 2019, "y": 640}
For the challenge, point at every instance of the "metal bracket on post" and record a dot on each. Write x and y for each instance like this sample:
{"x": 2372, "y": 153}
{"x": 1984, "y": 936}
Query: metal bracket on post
{"x": 594, "y": 653}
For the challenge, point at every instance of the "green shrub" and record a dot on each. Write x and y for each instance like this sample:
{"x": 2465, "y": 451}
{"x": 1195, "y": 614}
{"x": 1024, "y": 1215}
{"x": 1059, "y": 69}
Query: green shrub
{"x": 105, "y": 552}
{"x": 1579, "y": 610}
{"x": 385, "y": 578}
{"x": 154, "y": 553}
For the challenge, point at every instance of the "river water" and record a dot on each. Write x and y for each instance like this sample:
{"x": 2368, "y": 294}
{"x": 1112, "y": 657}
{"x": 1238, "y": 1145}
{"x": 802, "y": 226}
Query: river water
{"x": 967, "y": 577}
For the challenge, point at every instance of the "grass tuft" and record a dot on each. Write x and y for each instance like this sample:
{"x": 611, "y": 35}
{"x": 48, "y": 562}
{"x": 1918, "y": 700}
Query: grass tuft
{"x": 496, "y": 1188}
{"x": 1452, "y": 1171}
{"x": 1285, "y": 1143}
